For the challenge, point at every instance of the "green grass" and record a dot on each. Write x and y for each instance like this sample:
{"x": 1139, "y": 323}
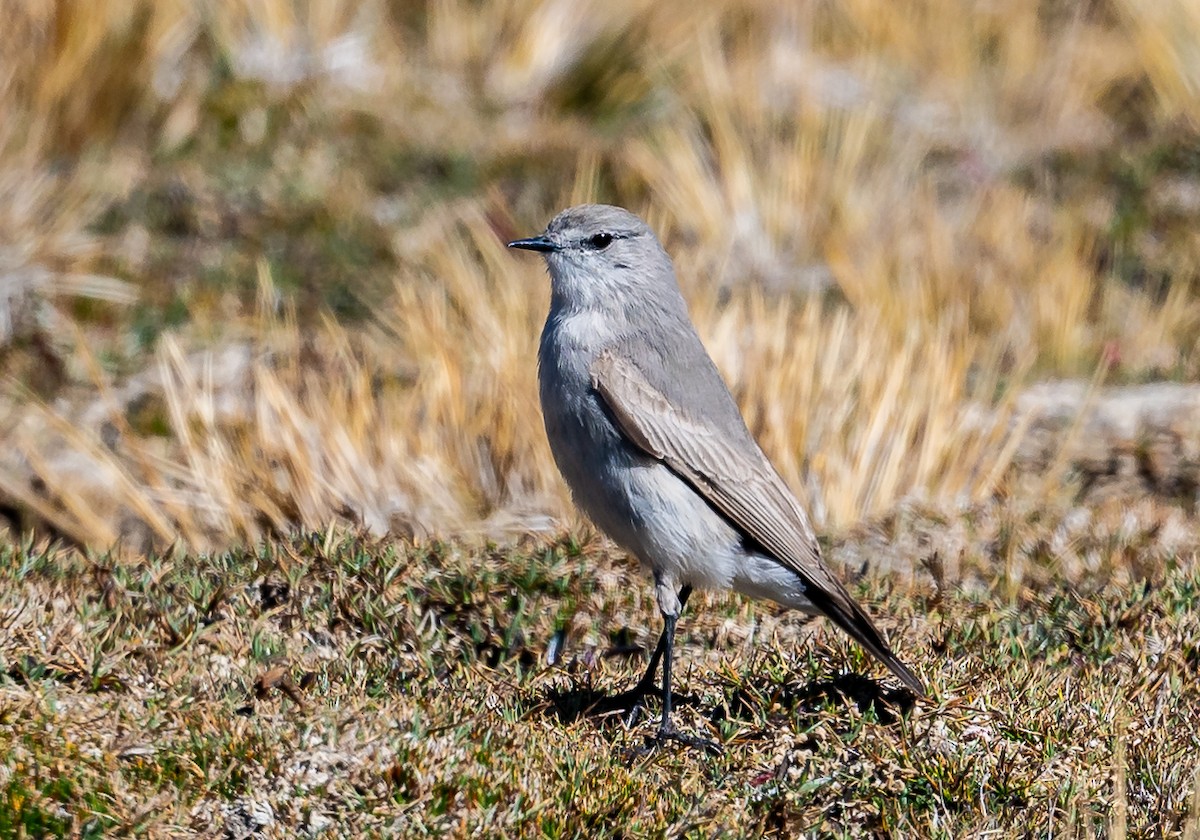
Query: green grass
{"x": 393, "y": 687}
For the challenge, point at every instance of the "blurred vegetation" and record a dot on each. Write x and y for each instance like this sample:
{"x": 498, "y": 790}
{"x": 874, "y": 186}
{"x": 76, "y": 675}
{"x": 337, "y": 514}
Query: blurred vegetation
{"x": 1013, "y": 198}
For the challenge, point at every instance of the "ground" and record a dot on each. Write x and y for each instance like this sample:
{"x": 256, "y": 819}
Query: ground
{"x": 337, "y": 683}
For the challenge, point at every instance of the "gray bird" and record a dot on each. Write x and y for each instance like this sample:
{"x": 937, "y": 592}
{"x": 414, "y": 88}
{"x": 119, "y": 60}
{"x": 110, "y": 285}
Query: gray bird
{"x": 653, "y": 446}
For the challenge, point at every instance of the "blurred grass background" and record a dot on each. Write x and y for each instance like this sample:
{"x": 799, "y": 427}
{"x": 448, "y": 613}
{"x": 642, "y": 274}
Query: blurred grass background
{"x": 252, "y": 274}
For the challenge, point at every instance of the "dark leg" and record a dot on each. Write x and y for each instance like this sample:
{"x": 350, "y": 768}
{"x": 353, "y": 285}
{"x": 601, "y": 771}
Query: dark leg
{"x": 646, "y": 683}
{"x": 669, "y": 635}
{"x": 666, "y": 729}
{"x": 631, "y": 701}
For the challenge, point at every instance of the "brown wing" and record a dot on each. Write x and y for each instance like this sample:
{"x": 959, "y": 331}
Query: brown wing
{"x": 736, "y": 478}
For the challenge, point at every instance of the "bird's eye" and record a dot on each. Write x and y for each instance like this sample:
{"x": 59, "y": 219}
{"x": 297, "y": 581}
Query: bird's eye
{"x": 600, "y": 241}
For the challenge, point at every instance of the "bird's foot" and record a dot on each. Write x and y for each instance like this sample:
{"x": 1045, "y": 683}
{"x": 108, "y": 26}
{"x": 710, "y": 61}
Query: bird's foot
{"x": 668, "y": 734}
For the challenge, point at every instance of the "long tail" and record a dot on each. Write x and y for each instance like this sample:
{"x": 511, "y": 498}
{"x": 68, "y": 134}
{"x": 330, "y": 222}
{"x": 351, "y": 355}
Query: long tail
{"x": 850, "y": 617}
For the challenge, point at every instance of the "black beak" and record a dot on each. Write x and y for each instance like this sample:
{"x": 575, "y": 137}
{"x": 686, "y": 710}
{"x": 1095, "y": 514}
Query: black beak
{"x": 534, "y": 243}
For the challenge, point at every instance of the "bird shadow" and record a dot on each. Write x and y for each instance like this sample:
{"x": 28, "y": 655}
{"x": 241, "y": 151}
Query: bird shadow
{"x": 584, "y": 701}
{"x": 750, "y": 700}
{"x": 758, "y": 696}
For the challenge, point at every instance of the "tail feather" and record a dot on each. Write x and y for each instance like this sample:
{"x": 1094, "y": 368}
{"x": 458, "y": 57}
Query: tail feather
{"x": 850, "y": 617}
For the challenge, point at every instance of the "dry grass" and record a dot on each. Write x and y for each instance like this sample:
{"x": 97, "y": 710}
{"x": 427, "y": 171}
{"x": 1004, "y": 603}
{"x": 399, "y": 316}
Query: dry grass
{"x": 1006, "y": 200}
{"x": 335, "y": 683}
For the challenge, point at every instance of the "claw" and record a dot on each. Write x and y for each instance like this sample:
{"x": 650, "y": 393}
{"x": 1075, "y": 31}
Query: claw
{"x": 635, "y": 711}
{"x": 668, "y": 732}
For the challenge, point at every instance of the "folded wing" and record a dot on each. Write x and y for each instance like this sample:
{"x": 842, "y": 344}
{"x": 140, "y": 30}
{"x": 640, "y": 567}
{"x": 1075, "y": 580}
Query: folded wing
{"x": 740, "y": 483}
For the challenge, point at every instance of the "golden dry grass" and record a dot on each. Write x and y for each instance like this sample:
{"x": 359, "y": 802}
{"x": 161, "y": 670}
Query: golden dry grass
{"x": 971, "y": 193}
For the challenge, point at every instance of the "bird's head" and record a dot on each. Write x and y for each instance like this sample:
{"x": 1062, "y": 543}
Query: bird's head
{"x": 596, "y": 252}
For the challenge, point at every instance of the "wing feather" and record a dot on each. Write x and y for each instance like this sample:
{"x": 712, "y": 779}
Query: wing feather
{"x": 740, "y": 483}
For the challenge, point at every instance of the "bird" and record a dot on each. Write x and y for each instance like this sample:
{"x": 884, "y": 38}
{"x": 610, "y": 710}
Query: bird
{"x": 653, "y": 446}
